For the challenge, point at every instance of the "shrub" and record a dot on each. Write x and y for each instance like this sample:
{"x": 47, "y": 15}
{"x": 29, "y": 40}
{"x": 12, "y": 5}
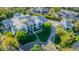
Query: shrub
{"x": 37, "y": 48}
{"x": 77, "y": 37}
{"x": 21, "y": 36}
{"x": 8, "y": 34}
{"x": 51, "y": 17}
{"x": 10, "y": 43}
{"x": 47, "y": 26}
{"x": 57, "y": 39}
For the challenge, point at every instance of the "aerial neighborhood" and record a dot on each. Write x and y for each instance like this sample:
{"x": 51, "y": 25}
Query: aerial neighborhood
{"x": 39, "y": 29}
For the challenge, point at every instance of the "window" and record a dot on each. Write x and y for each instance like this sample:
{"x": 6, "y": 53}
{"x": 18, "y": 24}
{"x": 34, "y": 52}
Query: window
{"x": 39, "y": 24}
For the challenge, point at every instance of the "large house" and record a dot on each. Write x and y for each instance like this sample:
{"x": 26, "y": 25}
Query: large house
{"x": 40, "y": 10}
{"x": 24, "y": 22}
{"x": 69, "y": 14}
{"x": 66, "y": 24}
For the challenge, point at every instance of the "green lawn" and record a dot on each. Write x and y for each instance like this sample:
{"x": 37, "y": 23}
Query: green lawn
{"x": 31, "y": 38}
{"x": 43, "y": 36}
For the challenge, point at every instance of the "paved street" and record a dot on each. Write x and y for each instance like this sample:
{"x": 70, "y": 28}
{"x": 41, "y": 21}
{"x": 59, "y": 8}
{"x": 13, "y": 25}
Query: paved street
{"x": 54, "y": 23}
{"x": 52, "y": 35}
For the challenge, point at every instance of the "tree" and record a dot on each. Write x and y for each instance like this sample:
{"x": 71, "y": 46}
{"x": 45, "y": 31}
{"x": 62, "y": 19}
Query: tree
{"x": 77, "y": 37}
{"x": 21, "y": 36}
{"x": 3, "y": 16}
{"x": 10, "y": 43}
{"x": 52, "y": 14}
{"x": 9, "y": 12}
{"x": 2, "y": 48}
{"x": 67, "y": 39}
{"x": 37, "y": 48}
{"x": 60, "y": 30}
{"x": 76, "y": 27}
{"x": 47, "y": 26}
{"x": 1, "y": 27}
{"x": 9, "y": 34}
{"x": 64, "y": 38}
{"x": 53, "y": 11}
{"x": 57, "y": 39}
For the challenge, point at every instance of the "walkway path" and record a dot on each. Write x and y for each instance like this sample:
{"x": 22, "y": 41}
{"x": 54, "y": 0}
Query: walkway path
{"x": 37, "y": 40}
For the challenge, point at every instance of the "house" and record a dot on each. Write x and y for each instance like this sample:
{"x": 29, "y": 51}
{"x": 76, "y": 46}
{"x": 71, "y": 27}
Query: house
{"x": 66, "y": 24}
{"x": 24, "y": 22}
{"x": 68, "y": 14}
{"x": 40, "y": 10}
{"x": 7, "y": 23}
{"x": 75, "y": 46}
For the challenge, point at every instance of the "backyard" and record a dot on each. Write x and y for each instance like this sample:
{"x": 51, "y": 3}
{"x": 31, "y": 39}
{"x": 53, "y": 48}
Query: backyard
{"x": 31, "y": 38}
{"x": 43, "y": 35}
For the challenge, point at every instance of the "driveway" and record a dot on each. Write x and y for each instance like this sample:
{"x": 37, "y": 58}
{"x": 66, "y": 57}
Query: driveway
{"x": 52, "y": 35}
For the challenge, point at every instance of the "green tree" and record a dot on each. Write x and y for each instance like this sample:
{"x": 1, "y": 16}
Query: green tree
{"x": 21, "y": 36}
{"x": 3, "y": 16}
{"x": 37, "y": 48}
{"x": 52, "y": 14}
{"x": 76, "y": 26}
{"x": 60, "y": 30}
{"x": 10, "y": 43}
{"x": 47, "y": 26}
{"x": 77, "y": 37}
{"x": 64, "y": 38}
{"x": 53, "y": 11}
{"x": 57, "y": 39}
{"x": 67, "y": 39}
{"x": 1, "y": 48}
{"x": 1, "y": 27}
{"x": 9, "y": 34}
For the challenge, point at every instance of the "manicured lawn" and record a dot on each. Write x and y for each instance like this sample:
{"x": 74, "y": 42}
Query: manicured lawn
{"x": 31, "y": 38}
{"x": 43, "y": 36}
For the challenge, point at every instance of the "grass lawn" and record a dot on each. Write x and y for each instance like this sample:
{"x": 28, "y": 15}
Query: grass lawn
{"x": 43, "y": 36}
{"x": 31, "y": 38}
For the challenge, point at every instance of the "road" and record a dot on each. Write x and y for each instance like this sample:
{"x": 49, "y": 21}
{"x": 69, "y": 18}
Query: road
{"x": 54, "y": 23}
{"x": 52, "y": 35}
{"x": 53, "y": 29}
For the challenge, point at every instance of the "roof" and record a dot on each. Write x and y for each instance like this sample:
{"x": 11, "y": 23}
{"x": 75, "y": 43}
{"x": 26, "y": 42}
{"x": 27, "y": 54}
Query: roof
{"x": 42, "y": 18}
{"x": 18, "y": 24}
{"x": 40, "y": 10}
{"x": 75, "y": 46}
{"x": 20, "y": 21}
{"x": 18, "y": 15}
{"x": 66, "y": 24}
{"x": 6, "y": 22}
